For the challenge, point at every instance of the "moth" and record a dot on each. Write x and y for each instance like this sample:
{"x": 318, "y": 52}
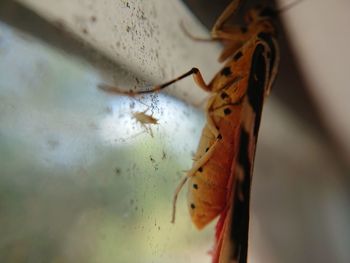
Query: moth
{"x": 219, "y": 181}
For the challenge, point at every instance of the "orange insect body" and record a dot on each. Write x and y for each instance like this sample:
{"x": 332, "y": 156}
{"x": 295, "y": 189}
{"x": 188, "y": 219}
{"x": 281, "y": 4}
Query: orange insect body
{"x": 220, "y": 178}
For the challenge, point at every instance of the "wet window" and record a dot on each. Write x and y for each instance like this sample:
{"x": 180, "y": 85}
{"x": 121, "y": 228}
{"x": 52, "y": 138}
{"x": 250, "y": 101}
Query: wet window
{"x": 90, "y": 176}
{"x": 82, "y": 178}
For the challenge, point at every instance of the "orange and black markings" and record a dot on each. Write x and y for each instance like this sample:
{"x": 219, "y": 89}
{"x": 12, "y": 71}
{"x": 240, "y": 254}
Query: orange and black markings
{"x": 219, "y": 181}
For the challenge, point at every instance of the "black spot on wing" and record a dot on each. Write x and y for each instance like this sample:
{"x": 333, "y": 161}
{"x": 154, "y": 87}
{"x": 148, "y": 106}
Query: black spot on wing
{"x": 224, "y": 95}
{"x": 240, "y": 213}
{"x": 237, "y": 56}
{"x": 226, "y": 71}
{"x": 227, "y": 111}
{"x": 256, "y": 84}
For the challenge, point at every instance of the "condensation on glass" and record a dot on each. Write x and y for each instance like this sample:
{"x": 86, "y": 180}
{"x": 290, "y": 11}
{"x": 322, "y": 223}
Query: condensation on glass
{"x": 81, "y": 179}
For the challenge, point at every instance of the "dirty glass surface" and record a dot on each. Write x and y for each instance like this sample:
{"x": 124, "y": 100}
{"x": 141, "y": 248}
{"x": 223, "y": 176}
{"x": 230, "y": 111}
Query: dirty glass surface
{"x": 81, "y": 179}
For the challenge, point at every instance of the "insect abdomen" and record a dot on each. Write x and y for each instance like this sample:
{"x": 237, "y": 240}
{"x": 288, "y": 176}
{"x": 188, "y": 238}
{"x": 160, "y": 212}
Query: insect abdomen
{"x": 208, "y": 187}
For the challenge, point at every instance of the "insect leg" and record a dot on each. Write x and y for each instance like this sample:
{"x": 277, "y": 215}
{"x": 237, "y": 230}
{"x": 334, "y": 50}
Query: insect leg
{"x": 217, "y": 32}
{"x": 210, "y": 121}
{"x": 197, "y": 76}
{"x": 228, "y": 12}
{"x": 177, "y": 192}
{"x": 232, "y": 36}
{"x": 216, "y": 134}
{"x": 231, "y": 32}
{"x": 201, "y": 161}
{"x": 195, "y": 38}
{"x": 149, "y": 129}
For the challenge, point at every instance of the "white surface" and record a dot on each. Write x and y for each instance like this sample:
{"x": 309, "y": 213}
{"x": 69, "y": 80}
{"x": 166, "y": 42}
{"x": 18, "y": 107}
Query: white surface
{"x": 320, "y": 36}
{"x": 142, "y": 36}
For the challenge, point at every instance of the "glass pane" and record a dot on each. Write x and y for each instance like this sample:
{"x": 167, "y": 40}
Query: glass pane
{"x": 81, "y": 179}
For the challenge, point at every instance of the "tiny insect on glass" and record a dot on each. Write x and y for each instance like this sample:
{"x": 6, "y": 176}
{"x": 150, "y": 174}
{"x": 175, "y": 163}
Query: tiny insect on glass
{"x": 145, "y": 120}
{"x": 219, "y": 181}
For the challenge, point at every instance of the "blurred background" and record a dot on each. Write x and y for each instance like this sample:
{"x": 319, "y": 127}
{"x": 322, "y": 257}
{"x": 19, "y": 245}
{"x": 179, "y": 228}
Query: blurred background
{"x": 81, "y": 180}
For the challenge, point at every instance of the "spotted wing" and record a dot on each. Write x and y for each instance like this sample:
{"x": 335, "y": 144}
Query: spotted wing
{"x": 233, "y": 225}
